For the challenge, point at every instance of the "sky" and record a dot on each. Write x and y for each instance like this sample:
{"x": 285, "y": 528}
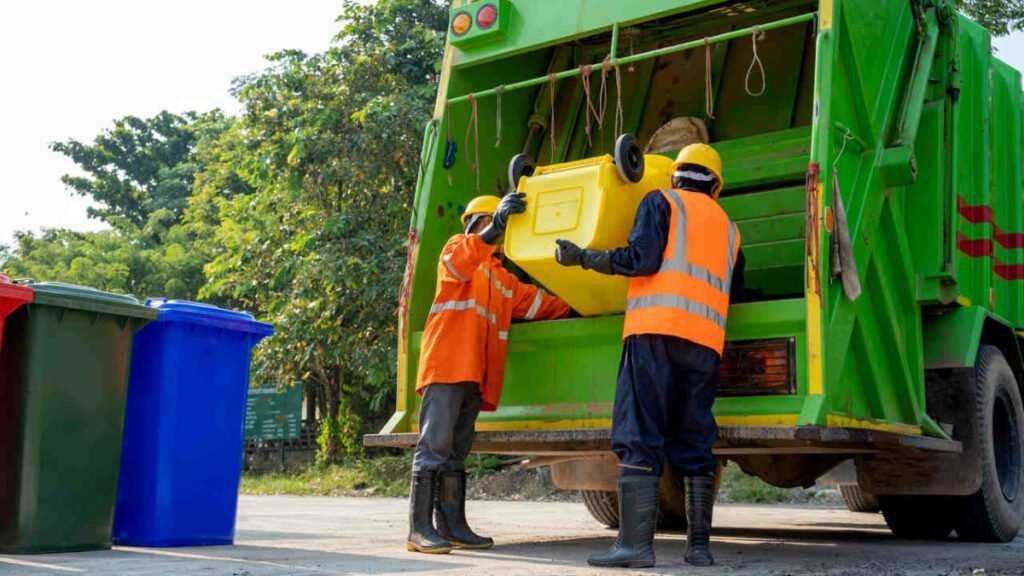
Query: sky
{"x": 70, "y": 67}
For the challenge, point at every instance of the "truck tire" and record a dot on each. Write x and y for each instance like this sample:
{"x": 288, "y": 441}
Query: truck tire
{"x": 919, "y": 517}
{"x": 857, "y": 500}
{"x": 603, "y": 506}
{"x": 995, "y": 512}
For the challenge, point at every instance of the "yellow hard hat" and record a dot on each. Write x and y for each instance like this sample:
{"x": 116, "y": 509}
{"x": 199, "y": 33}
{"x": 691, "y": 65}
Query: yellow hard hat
{"x": 480, "y": 205}
{"x": 705, "y": 156}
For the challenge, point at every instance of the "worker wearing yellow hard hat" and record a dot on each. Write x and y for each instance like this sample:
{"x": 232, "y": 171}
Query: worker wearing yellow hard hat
{"x": 462, "y": 366}
{"x": 700, "y": 156}
{"x": 684, "y": 264}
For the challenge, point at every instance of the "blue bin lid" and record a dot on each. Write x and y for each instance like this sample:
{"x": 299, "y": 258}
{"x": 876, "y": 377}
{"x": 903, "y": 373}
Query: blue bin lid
{"x": 208, "y": 315}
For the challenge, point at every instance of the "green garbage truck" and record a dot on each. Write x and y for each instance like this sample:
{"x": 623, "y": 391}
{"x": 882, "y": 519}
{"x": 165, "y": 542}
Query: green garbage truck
{"x": 872, "y": 159}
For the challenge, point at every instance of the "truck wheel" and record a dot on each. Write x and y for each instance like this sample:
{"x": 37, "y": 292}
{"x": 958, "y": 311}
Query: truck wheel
{"x": 995, "y": 512}
{"x": 629, "y": 159}
{"x": 857, "y": 500}
{"x": 603, "y": 506}
{"x": 918, "y": 517}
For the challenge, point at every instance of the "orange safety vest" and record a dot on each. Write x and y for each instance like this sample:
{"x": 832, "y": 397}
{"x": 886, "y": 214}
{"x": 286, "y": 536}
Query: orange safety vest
{"x": 689, "y": 296}
{"x": 466, "y": 336}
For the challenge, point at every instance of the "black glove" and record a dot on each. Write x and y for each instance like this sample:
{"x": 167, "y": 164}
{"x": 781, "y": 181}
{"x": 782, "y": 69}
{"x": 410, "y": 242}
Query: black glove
{"x": 569, "y": 254}
{"x": 511, "y": 204}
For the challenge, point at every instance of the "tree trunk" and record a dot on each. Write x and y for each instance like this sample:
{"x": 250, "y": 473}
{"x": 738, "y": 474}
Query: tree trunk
{"x": 331, "y": 448}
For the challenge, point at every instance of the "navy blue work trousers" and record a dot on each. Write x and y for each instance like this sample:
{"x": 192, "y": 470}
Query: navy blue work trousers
{"x": 663, "y": 400}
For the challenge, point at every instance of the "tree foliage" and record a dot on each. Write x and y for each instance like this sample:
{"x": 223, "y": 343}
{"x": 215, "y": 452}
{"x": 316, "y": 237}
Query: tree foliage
{"x": 1000, "y": 16}
{"x": 333, "y": 146}
{"x": 140, "y": 166}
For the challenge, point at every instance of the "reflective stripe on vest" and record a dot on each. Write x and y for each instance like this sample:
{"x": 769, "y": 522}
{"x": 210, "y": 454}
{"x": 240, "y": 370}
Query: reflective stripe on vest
{"x": 678, "y": 261}
{"x": 506, "y": 292}
{"x": 676, "y": 301}
{"x": 458, "y": 305}
{"x": 535, "y": 305}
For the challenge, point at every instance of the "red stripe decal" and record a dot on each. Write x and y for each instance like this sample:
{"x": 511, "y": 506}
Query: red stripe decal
{"x": 985, "y": 215}
{"x": 974, "y": 248}
{"x": 974, "y": 214}
{"x": 1010, "y": 271}
{"x": 1010, "y": 240}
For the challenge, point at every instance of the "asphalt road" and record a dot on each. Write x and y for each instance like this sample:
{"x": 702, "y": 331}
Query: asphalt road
{"x": 327, "y": 536}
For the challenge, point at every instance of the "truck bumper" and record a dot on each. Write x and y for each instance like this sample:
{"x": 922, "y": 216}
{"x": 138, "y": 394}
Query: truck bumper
{"x": 733, "y": 440}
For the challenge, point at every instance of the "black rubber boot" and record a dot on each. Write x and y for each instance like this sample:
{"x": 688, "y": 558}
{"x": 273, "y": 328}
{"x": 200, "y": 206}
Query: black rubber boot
{"x": 700, "y": 503}
{"x": 451, "y": 513}
{"x": 422, "y": 535}
{"x": 638, "y": 519}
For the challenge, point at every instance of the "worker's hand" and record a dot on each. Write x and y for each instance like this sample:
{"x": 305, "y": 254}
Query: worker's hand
{"x": 568, "y": 254}
{"x": 511, "y": 204}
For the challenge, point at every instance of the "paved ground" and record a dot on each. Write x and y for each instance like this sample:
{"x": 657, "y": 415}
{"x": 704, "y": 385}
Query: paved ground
{"x": 327, "y": 536}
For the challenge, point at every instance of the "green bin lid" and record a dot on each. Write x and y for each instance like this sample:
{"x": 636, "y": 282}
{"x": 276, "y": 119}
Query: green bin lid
{"x": 89, "y": 299}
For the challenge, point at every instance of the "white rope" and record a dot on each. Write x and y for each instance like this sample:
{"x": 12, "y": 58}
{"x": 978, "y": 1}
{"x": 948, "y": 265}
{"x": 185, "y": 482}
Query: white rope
{"x": 757, "y": 34}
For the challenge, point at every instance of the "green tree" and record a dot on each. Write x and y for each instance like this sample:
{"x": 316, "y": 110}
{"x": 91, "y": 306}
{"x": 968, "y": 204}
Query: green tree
{"x": 141, "y": 173}
{"x": 1000, "y": 16}
{"x": 140, "y": 166}
{"x": 333, "y": 148}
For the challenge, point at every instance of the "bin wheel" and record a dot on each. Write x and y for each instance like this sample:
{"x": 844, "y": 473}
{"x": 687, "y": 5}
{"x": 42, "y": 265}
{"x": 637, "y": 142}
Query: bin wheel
{"x": 520, "y": 165}
{"x": 996, "y": 511}
{"x": 629, "y": 158}
{"x": 918, "y": 517}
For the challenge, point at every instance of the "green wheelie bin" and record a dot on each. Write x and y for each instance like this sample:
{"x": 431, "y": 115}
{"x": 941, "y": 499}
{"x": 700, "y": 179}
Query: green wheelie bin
{"x": 63, "y": 381}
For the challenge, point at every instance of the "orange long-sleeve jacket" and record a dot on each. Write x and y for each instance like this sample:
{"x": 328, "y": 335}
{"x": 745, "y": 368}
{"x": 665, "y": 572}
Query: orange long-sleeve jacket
{"x": 466, "y": 336}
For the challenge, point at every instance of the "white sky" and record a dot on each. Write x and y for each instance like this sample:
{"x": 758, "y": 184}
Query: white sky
{"x": 69, "y": 67}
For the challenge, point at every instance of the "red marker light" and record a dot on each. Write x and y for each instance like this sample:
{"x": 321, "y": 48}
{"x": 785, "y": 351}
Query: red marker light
{"x": 486, "y": 16}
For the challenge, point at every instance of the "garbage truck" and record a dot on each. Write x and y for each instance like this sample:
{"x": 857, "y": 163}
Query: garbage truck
{"x": 872, "y": 163}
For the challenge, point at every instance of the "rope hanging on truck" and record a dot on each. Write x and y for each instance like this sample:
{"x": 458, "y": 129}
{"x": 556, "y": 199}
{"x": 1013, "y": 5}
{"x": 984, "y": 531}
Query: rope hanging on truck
{"x": 709, "y": 90}
{"x": 585, "y": 72}
{"x": 497, "y": 105}
{"x": 618, "y": 100}
{"x": 552, "y": 80}
{"x": 474, "y": 128}
{"x": 606, "y": 65}
{"x": 757, "y": 34}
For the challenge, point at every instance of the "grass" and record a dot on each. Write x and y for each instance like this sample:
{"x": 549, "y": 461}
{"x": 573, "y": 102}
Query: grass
{"x": 739, "y": 488}
{"x": 388, "y": 476}
{"x": 383, "y": 476}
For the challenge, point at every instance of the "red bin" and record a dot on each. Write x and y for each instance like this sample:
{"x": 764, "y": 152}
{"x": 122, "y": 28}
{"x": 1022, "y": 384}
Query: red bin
{"x": 11, "y": 297}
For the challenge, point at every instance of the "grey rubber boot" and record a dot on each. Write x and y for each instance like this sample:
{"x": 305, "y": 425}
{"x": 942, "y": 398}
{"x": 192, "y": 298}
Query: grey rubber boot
{"x": 422, "y": 535}
{"x": 638, "y": 520}
{"x": 451, "y": 513}
{"x": 700, "y": 503}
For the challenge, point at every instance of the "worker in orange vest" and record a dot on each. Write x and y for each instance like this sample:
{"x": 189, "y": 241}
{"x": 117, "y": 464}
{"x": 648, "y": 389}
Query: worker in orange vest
{"x": 684, "y": 261}
{"x": 462, "y": 366}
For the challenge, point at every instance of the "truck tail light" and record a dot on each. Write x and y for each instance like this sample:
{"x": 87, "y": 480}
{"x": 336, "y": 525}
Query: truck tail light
{"x": 486, "y": 16}
{"x": 461, "y": 23}
{"x": 759, "y": 368}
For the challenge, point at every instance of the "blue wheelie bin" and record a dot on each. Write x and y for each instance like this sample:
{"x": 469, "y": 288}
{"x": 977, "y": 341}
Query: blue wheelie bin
{"x": 183, "y": 431}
